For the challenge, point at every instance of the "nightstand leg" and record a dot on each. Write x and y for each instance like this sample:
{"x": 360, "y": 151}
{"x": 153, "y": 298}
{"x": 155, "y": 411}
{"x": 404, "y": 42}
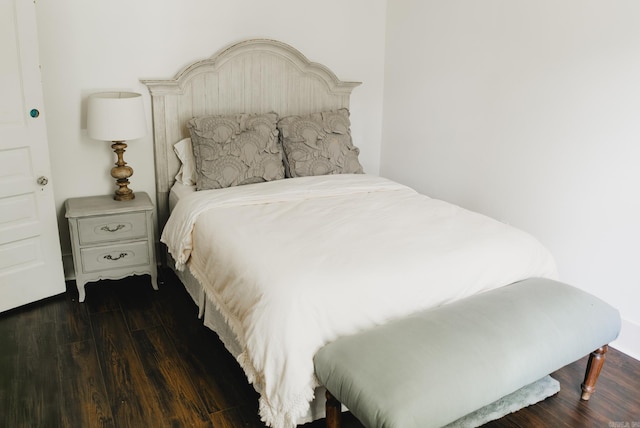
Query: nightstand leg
{"x": 81, "y": 293}
{"x": 154, "y": 279}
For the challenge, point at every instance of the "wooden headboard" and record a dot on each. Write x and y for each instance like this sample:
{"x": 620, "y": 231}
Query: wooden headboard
{"x": 253, "y": 76}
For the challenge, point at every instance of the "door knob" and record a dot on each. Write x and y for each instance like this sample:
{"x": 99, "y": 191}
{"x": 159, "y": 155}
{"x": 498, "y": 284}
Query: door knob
{"x": 42, "y": 180}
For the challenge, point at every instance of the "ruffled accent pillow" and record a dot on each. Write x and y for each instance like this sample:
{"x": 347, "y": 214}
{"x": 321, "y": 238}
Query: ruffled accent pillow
{"x": 319, "y": 144}
{"x": 232, "y": 150}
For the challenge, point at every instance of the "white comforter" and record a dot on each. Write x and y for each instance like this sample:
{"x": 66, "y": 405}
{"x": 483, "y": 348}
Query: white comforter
{"x": 293, "y": 264}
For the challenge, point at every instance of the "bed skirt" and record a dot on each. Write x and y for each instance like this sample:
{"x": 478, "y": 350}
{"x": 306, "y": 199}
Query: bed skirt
{"x": 213, "y": 319}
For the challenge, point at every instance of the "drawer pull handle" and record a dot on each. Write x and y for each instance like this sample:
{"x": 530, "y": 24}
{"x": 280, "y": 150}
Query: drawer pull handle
{"x": 109, "y": 257}
{"x": 115, "y": 229}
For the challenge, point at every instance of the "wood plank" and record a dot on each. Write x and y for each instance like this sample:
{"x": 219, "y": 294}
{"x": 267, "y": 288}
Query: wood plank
{"x": 178, "y": 398}
{"x": 182, "y": 363}
{"x": 9, "y": 367}
{"x": 217, "y": 375}
{"x": 605, "y": 406}
{"x": 134, "y": 402}
{"x": 102, "y": 296}
{"x": 72, "y": 317}
{"x": 242, "y": 416}
{"x": 84, "y": 398}
{"x": 29, "y": 382}
{"x": 136, "y": 297}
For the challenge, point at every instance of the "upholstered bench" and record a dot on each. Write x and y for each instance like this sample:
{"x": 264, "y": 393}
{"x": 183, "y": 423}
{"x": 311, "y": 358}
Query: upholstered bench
{"x": 433, "y": 367}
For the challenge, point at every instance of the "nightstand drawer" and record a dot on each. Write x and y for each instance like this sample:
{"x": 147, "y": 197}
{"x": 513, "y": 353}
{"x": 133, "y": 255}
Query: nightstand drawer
{"x": 115, "y": 256}
{"x": 117, "y": 227}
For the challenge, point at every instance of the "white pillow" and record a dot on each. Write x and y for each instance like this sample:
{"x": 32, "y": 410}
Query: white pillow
{"x": 187, "y": 173}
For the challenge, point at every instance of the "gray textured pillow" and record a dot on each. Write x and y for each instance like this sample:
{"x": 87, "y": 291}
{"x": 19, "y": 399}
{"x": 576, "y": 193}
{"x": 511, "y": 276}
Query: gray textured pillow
{"x": 319, "y": 144}
{"x": 231, "y": 150}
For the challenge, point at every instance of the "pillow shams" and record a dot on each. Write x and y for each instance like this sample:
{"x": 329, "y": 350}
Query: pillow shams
{"x": 319, "y": 144}
{"x": 187, "y": 173}
{"x": 232, "y": 150}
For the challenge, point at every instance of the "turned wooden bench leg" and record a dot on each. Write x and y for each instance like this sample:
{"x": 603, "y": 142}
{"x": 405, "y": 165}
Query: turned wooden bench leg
{"x": 596, "y": 361}
{"x": 333, "y": 409}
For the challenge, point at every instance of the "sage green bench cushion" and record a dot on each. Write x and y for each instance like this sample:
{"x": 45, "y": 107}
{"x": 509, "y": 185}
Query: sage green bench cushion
{"x": 433, "y": 367}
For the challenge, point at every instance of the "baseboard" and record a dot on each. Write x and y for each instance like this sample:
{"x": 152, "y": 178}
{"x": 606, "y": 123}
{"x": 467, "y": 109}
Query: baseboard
{"x": 67, "y": 265}
{"x": 629, "y": 340}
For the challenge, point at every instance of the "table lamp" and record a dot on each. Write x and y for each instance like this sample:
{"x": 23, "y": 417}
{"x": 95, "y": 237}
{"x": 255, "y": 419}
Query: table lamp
{"x": 117, "y": 117}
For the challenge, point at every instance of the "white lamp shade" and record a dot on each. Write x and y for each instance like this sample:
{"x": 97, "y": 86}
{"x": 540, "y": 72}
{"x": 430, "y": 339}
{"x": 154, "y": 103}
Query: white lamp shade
{"x": 116, "y": 116}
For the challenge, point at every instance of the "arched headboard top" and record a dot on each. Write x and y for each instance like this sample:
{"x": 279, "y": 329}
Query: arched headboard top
{"x": 252, "y": 76}
{"x": 250, "y": 48}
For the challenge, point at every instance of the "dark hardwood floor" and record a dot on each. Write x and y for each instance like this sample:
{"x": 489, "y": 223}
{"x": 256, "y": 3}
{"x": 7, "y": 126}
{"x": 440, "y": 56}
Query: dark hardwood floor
{"x": 132, "y": 357}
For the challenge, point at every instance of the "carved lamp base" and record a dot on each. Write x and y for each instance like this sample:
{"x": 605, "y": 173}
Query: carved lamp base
{"x": 121, "y": 172}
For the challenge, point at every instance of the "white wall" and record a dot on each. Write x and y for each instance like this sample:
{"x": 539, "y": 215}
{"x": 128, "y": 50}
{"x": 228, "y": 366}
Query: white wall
{"x": 528, "y": 112}
{"x": 90, "y": 46}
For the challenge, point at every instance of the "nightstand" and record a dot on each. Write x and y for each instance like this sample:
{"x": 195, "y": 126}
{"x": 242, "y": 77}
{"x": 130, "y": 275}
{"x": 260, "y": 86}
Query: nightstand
{"x": 111, "y": 239}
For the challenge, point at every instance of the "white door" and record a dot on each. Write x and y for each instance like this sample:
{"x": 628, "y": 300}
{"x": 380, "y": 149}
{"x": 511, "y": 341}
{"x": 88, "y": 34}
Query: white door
{"x": 30, "y": 256}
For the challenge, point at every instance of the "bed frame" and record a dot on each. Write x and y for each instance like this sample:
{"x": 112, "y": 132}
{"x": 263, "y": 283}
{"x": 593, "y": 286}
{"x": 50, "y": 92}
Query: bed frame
{"x": 252, "y": 76}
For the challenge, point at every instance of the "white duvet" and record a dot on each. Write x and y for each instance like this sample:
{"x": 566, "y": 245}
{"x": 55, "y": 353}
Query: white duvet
{"x": 293, "y": 264}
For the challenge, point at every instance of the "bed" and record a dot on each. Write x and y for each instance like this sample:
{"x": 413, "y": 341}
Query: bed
{"x": 304, "y": 247}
